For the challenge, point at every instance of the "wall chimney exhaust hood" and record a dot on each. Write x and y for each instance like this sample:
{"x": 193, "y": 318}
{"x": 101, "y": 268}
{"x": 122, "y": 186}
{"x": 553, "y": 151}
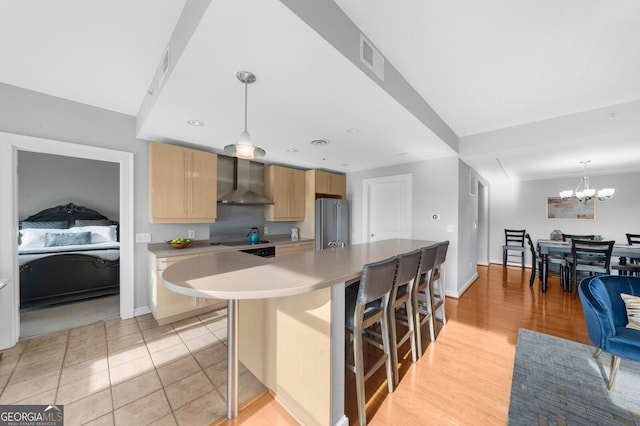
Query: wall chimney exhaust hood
{"x": 241, "y": 181}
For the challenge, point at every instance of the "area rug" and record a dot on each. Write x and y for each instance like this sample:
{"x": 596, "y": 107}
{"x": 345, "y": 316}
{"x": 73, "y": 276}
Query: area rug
{"x": 558, "y": 382}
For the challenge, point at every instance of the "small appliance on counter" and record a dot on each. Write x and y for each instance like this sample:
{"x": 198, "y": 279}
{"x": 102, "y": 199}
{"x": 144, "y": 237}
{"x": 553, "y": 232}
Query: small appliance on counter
{"x": 294, "y": 234}
{"x": 254, "y": 236}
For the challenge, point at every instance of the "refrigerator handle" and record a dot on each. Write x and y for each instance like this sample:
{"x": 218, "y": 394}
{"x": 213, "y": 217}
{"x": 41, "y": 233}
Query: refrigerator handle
{"x": 336, "y": 206}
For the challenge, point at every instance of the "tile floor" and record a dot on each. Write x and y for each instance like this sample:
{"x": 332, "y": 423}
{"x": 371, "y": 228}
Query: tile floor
{"x": 125, "y": 372}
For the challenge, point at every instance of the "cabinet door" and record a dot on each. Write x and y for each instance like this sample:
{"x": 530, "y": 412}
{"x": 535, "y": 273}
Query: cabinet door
{"x": 167, "y": 181}
{"x": 331, "y": 184}
{"x": 286, "y": 187}
{"x": 203, "y": 194}
{"x": 284, "y": 249}
{"x": 168, "y": 303}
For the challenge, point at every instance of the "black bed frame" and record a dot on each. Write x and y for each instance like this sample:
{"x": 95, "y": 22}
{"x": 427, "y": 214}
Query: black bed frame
{"x": 67, "y": 277}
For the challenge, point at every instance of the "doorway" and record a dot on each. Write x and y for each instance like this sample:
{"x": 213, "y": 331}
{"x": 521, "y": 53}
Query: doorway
{"x": 388, "y": 207}
{"x": 11, "y": 144}
{"x": 483, "y": 224}
{"x": 46, "y": 181}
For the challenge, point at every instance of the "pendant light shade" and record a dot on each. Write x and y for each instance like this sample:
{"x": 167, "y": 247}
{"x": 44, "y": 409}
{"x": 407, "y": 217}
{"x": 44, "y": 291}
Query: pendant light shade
{"x": 584, "y": 192}
{"x": 244, "y": 148}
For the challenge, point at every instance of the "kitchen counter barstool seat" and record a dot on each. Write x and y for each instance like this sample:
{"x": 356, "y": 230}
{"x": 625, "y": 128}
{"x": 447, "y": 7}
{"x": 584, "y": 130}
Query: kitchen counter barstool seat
{"x": 513, "y": 241}
{"x": 422, "y": 295}
{"x": 366, "y": 304}
{"x": 402, "y": 295}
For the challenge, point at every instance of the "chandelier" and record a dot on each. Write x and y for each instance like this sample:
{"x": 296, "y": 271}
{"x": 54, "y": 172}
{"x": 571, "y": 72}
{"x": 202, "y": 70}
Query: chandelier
{"x": 584, "y": 192}
{"x": 244, "y": 148}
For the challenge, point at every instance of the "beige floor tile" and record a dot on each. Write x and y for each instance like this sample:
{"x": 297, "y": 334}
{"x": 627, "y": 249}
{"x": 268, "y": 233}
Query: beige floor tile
{"x": 184, "y": 367}
{"x": 136, "y": 388}
{"x": 96, "y": 329}
{"x": 221, "y": 334}
{"x": 127, "y": 354}
{"x": 196, "y": 330}
{"x": 83, "y": 369}
{"x": 53, "y": 352}
{"x": 186, "y": 323}
{"x": 114, "y": 333}
{"x": 214, "y": 316}
{"x": 87, "y": 409}
{"x": 169, "y": 355}
{"x": 217, "y": 372}
{"x": 86, "y": 353}
{"x": 211, "y": 355}
{"x": 201, "y": 342}
{"x": 158, "y": 331}
{"x": 143, "y": 411}
{"x": 117, "y": 323}
{"x": 106, "y": 420}
{"x": 14, "y": 350}
{"x": 87, "y": 340}
{"x": 123, "y": 372}
{"x": 163, "y": 342}
{"x": 4, "y": 379}
{"x": 46, "y": 340}
{"x": 168, "y": 420}
{"x": 125, "y": 342}
{"x": 45, "y": 398}
{"x": 33, "y": 369}
{"x": 146, "y": 322}
{"x": 27, "y": 388}
{"x": 8, "y": 363}
{"x": 83, "y": 387}
{"x": 188, "y": 389}
{"x": 202, "y": 411}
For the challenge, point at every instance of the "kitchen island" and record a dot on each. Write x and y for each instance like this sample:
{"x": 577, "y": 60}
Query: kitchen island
{"x": 286, "y": 318}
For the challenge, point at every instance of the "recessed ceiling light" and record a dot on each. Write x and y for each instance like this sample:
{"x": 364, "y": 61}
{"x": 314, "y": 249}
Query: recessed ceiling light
{"x": 195, "y": 123}
{"x": 345, "y": 164}
{"x": 354, "y": 130}
{"x": 292, "y": 150}
{"x": 319, "y": 142}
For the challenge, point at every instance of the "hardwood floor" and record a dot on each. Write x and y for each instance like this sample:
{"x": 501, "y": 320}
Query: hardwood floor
{"x": 464, "y": 377}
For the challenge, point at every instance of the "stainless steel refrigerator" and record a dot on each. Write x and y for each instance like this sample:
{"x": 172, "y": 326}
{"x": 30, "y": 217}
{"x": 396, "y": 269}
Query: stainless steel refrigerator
{"x": 332, "y": 223}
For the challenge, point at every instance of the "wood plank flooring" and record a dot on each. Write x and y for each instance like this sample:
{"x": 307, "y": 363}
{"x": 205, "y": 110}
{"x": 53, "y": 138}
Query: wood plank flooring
{"x": 464, "y": 377}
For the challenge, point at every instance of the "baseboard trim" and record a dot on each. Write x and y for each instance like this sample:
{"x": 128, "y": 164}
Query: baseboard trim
{"x": 143, "y": 310}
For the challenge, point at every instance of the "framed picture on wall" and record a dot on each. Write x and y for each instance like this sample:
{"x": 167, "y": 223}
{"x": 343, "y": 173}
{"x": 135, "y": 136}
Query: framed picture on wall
{"x": 572, "y": 209}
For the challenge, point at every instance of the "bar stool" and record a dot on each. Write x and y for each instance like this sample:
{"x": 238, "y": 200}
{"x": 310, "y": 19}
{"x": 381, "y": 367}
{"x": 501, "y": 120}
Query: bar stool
{"x": 364, "y": 307}
{"x": 437, "y": 285}
{"x": 422, "y": 308}
{"x": 402, "y": 295}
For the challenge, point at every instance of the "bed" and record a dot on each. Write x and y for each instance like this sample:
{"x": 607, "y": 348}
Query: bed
{"x": 67, "y": 253}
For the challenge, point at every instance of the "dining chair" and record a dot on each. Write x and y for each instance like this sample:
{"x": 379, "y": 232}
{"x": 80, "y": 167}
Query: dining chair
{"x": 513, "y": 241}
{"x": 536, "y": 263}
{"x": 366, "y": 304}
{"x": 402, "y": 295}
{"x": 422, "y": 295}
{"x": 630, "y": 266}
{"x": 437, "y": 286}
{"x": 588, "y": 257}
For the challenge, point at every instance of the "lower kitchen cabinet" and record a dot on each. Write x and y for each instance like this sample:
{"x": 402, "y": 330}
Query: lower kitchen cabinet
{"x": 284, "y": 249}
{"x": 168, "y": 306}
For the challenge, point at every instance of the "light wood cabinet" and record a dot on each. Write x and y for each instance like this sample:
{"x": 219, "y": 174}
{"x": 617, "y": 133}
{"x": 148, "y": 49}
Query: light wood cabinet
{"x": 332, "y": 184}
{"x": 286, "y": 187}
{"x": 284, "y": 249}
{"x": 182, "y": 184}
{"x": 168, "y": 306}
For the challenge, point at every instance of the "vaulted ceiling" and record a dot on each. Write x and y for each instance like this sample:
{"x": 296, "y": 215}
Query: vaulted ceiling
{"x": 521, "y": 89}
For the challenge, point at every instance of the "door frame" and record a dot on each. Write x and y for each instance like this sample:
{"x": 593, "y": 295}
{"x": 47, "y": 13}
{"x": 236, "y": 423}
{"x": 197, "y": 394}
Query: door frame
{"x": 11, "y": 144}
{"x": 407, "y": 179}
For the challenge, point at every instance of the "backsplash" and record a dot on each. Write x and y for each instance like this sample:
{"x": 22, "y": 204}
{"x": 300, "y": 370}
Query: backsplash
{"x": 235, "y": 221}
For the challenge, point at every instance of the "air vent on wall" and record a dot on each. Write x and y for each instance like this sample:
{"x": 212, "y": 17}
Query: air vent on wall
{"x": 164, "y": 67}
{"x": 371, "y": 57}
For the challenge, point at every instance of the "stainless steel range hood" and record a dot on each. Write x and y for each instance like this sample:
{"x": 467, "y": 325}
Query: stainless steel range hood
{"x": 240, "y": 181}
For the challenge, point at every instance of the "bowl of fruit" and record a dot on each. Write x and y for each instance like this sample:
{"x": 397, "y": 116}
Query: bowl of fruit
{"x": 179, "y": 243}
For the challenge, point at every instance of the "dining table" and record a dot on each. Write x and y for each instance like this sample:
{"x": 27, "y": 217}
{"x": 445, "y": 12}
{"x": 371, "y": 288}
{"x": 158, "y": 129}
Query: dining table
{"x": 547, "y": 247}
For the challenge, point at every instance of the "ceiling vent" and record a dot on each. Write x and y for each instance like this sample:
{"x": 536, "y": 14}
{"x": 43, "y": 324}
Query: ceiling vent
{"x": 371, "y": 57}
{"x": 163, "y": 69}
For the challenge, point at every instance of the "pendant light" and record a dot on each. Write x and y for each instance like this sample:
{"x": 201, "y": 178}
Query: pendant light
{"x": 244, "y": 148}
{"x": 584, "y": 192}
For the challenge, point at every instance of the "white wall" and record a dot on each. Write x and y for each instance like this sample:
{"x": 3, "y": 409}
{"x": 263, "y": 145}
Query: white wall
{"x": 467, "y": 226}
{"x": 523, "y": 205}
{"x": 50, "y": 180}
{"x": 435, "y": 190}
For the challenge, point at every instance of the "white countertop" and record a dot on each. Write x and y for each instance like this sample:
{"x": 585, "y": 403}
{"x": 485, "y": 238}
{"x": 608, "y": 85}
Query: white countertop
{"x": 237, "y": 275}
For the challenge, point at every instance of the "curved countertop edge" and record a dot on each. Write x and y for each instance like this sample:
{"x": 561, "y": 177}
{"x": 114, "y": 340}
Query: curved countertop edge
{"x": 236, "y": 275}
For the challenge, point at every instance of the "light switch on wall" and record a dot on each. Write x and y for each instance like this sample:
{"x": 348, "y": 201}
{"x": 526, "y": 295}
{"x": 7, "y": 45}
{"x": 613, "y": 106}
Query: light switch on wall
{"x": 450, "y": 228}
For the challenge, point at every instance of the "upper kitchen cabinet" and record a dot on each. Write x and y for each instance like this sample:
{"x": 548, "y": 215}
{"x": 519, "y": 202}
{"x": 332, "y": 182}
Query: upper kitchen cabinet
{"x": 182, "y": 184}
{"x": 286, "y": 187}
{"x": 329, "y": 185}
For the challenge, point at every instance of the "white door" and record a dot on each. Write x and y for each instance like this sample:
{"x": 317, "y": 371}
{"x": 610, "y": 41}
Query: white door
{"x": 388, "y": 204}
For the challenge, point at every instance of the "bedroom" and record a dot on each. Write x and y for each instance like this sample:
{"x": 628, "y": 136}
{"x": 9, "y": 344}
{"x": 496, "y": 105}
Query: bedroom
{"x": 46, "y": 181}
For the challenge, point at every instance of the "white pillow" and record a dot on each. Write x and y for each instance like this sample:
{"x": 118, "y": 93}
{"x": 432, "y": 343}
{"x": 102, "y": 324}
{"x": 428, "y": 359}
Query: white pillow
{"x": 99, "y": 234}
{"x": 632, "y": 303}
{"x": 33, "y": 237}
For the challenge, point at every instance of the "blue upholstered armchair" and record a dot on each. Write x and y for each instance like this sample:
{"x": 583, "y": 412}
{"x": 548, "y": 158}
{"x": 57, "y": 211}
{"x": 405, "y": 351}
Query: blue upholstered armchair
{"x": 606, "y": 316}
